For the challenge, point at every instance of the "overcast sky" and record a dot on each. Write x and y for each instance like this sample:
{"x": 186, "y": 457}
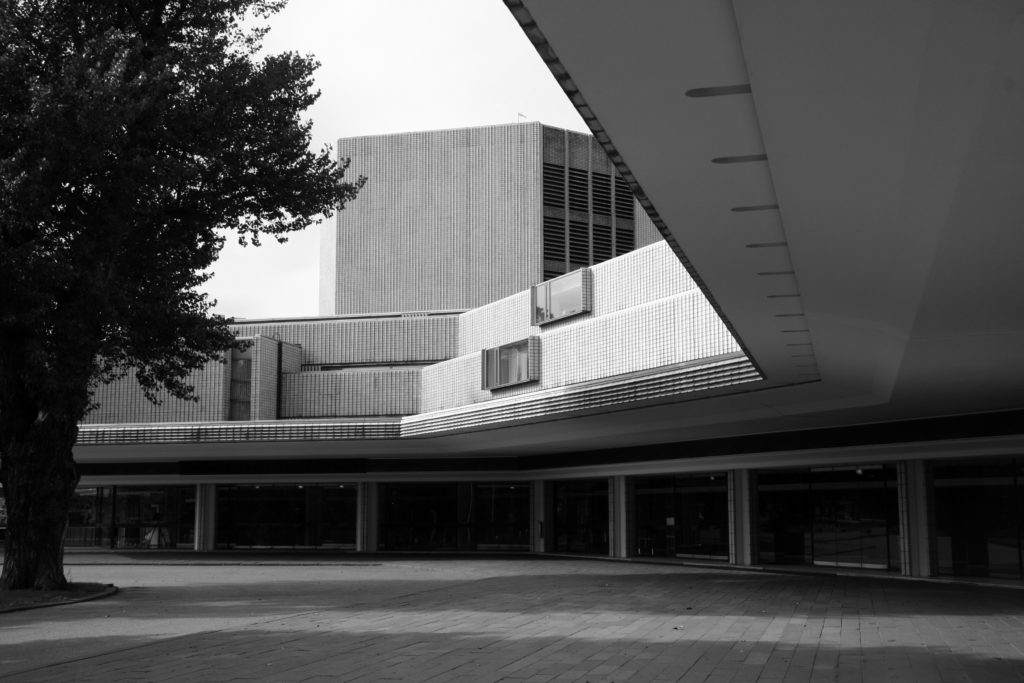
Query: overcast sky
{"x": 388, "y": 66}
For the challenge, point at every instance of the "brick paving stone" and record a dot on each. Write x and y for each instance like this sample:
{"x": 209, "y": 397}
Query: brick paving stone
{"x": 516, "y": 619}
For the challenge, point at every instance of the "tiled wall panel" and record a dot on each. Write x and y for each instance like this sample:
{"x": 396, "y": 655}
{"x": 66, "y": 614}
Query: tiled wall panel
{"x": 264, "y": 379}
{"x": 501, "y": 322}
{"x": 448, "y": 219}
{"x": 641, "y": 276}
{"x": 646, "y": 231}
{"x": 364, "y": 340}
{"x": 676, "y": 329}
{"x": 670, "y": 330}
{"x": 342, "y": 393}
{"x": 453, "y": 383}
{"x": 122, "y": 401}
{"x": 291, "y": 357}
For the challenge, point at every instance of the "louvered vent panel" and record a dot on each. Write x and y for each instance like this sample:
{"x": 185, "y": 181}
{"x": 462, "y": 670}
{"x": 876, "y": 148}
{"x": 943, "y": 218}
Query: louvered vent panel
{"x": 623, "y": 199}
{"x": 579, "y": 243}
{"x": 578, "y": 190}
{"x": 553, "y": 269}
{"x": 554, "y": 239}
{"x": 554, "y": 185}
{"x": 625, "y": 237}
{"x": 602, "y": 191}
{"x": 602, "y": 243}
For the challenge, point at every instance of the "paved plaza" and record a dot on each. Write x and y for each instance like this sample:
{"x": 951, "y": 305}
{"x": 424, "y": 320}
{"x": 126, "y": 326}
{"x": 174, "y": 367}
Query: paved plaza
{"x": 521, "y": 619}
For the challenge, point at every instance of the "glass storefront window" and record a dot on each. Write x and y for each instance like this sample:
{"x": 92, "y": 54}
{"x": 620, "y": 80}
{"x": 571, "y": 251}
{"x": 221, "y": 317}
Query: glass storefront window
{"x": 454, "y": 516}
{"x": 581, "y": 516}
{"x": 682, "y": 516}
{"x": 979, "y": 517}
{"x": 419, "y": 517}
{"x": 502, "y": 514}
{"x": 783, "y": 520}
{"x": 837, "y": 516}
{"x": 152, "y": 517}
{"x": 286, "y": 516}
{"x": 855, "y": 517}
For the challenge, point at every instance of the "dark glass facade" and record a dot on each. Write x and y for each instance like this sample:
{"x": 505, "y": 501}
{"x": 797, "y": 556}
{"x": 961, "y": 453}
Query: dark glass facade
{"x": 286, "y": 516}
{"x": 979, "y": 517}
{"x": 842, "y": 516}
{"x": 581, "y": 516}
{"x": 837, "y": 516}
{"x": 682, "y": 516}
{"x": 454, "y": 516}
{"x": 132, "y": 517}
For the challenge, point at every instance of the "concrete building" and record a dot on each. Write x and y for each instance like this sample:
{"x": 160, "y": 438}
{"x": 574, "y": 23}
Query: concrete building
{"x": 323, "y": 429}
{"x": 820, "y": 364}
{"x": 454, "y": 219}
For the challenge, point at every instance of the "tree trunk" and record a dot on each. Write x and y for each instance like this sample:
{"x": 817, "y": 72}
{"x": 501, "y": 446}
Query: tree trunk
{"x": 39, "y": 477}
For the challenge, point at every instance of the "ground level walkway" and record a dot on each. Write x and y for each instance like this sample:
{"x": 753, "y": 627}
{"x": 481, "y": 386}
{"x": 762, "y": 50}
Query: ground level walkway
{"x": 394, "y": 618}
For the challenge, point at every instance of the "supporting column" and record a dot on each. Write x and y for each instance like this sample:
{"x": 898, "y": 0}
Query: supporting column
{"x": 539, "y": 523}
{"x": 366, "y": 517}
{"x": 741, "y": 518}
{"x": 915, "y": 519}
{"x": 206, "y": 517}
{"x": 617, "y": 517}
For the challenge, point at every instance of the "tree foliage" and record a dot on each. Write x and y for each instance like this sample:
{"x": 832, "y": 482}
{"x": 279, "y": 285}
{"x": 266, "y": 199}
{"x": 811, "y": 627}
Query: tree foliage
{"x": 134, "y": 135}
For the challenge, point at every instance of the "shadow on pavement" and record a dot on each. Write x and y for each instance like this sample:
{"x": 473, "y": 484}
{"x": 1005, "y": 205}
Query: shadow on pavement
{"x": 468, "y": 656}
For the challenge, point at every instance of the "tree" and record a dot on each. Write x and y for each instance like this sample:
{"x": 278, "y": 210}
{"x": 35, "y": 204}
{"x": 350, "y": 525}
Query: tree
{"x": 133, "y": 135}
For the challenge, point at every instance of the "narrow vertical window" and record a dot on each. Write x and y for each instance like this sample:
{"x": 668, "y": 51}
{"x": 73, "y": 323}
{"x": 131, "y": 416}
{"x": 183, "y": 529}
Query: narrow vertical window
{"x": 240, "y": 406}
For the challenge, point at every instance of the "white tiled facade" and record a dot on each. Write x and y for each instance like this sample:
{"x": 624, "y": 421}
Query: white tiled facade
{"x": 363, "y": 340}
{"x": 345, "y": 393}
{"x": 122, "y": 401}
{"x": 353, "y": 404}
{"x": 438, "y": 206}
{"x": 453, "y": 219}
{"x": 425, "y": 277}
{"x": 647, "y": 314}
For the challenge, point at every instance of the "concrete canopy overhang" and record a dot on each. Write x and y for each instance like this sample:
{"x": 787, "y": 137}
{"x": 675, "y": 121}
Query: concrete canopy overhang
{"x": 845, "y": 183}
{"x": 844, "y": 180}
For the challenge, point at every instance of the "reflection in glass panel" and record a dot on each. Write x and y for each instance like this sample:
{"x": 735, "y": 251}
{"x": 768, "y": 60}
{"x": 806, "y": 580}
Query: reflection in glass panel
{"x": 842, "y": 516}
{"x": 132, "y": 517}
{"x": 512, "y": 363}
{"x": 240, "y": 404}
{"x": 783, "y": 514}
{"x": 566, "y": 295}
{"x": 682, "y": 516}
{"x": 561, "y": 297}
{"x": 506, "y": 365}
{"x": 454, "y": 516}
{"x": 979, "y": 517}
{"x": 88, "y": 517}
{"x": 291, "y": 515}
{"x": 855, "y": 517}
{"x": 422, "y": 516}
{"x": 502, "y": 516}
{"x": 581, "y": 516}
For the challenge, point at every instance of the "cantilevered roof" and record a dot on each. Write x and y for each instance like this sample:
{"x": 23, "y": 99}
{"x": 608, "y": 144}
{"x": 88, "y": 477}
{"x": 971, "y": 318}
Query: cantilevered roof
{"x": 845, "y": 180}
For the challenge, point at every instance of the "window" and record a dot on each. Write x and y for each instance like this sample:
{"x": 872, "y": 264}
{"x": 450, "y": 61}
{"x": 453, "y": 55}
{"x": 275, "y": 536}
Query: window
{"x": 562, "y": 297}
{"x": 509, "y": 364}
{"x": 240, "y": 405}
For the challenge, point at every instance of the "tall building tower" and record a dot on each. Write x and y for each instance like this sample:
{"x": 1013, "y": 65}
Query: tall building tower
{"x": 454, "y": 219}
